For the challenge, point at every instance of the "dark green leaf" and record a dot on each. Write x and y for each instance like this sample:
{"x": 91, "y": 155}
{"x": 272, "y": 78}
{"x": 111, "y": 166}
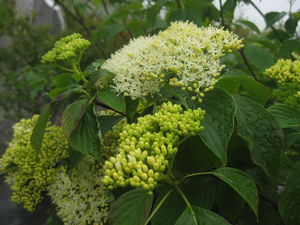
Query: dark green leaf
{"x": 200, "y": 158}
{"x": 72, "y": 115}
{"x": 112, "y": 99}
{"x": 290, "y": 139}
{"x": 287, "y": 116}
{"x": 246, "y": 86}
{"x": 287, "y": 48}
{"x": 84, "y": 137}
{"x": 170, "y": 210}
{"x": 290, "y": 25}
{"x": 242, "y": 183}
{"x": 200, "y": 191}
{"x": 258, "y": 57}
{"x": 74, "y": 158}
{"x": 229, "y": 202}
{"x": 131, "y": 107}
{"x": 200, "y": 216}
{"x": 131, "y": 208}
{"x": 289, "y": 202}
{"x": 185, "y": 15}
{"x": 218, "y": 122}
{"x": 262, "y": 134}
{"x": 273, "y": 17}
{"x": 63, "y": 80}
{"x": 94, "y": 66}
{"x": 37, "y": 136}
{"x": 107, "y": 122}
{"x": 250, "y": 25}
{"x": 228, "y": 8}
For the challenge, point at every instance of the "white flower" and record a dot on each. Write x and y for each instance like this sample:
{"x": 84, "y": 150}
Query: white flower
{"x": 183, "y": 55}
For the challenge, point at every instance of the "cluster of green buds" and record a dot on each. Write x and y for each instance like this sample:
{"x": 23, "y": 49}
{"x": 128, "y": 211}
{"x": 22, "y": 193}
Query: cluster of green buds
{"x": 28, "y": 171}
{"x": 286, "y": 73}
{"x": 147, "y": 146}
{"x": 67, "y": 48}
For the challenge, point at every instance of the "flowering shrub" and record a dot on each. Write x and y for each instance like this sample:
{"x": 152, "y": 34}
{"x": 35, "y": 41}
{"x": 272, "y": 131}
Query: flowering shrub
{"x": 168, "y": 130}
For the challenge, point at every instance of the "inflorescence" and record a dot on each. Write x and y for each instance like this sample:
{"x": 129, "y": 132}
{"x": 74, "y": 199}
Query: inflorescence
{"x": 183, "y": 55}
{"x": 28, "y": 171}
{"x": 66, "y": 48}
{"x": 80, "y": 196}
{"x": 147, "y": 146}
{"x": 286, "y": 73}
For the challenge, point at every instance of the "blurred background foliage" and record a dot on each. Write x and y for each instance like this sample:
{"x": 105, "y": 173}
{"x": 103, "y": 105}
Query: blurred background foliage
{"x": 109, "y": 24}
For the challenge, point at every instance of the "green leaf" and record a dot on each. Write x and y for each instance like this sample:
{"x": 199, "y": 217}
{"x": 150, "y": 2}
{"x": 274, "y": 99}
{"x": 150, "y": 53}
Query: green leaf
{"x": 258, "y": 57}
{"x": 200, "y": 191}
{"x": 287, "y": 48}
{"x": 273, "y": 17}
{"x": 200, "y": 158}
{"x": 290, "y": 25}
{"x": 131, "y": 107}
{"x": 84, "y": 137}
{"x": 229, "y": 202}
{"x": 242, "y": 183}
{"x": 245, "y": 86}
{"x": 112, "y": 99}
{"x": 185, "y": 15}
{"x": 107, "y": 122}
{"x": 228, "y": 8}
{"x": 250, "y": 25}
{"x": 72, "y": 115}
{"x": 131, "y": 208}
{"x": 200, "y": 216}
{"x": 218, "y": 122}
{"x": 63, "y": 81}
{"x": 37, "y": 136}
{"x": 289, "y": 201}
{"x": 74, "y": 158}
{"x": 290, "y": 139}
{"x": 287, "y": 116}
{"x": 170, "y": 210}
{"x": 262, "y": 134}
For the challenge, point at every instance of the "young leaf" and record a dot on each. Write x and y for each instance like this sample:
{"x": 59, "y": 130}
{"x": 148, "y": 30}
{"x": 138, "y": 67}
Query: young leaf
{"x": 199, "y": 216}
{"x": 218, "y": 122}
{"x": 131, "y": 208}
{"x": 259, "y": 57}
{"x": 287, "y": 116}
{"x": 112, "y": 99}
{"x": 84, "y": 137}
{"x": 242, "y": 183}
{"x": 245, "y": 86}
{"x": 36, "y": 138}
{"x": 72, "y": 115}
{"x": 262, "y": 134}
{"x": 289, "y": 201}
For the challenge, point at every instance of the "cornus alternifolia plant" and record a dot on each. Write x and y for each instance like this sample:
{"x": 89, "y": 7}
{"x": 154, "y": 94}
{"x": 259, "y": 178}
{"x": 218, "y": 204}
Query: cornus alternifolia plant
{"x": 164, "y": 132}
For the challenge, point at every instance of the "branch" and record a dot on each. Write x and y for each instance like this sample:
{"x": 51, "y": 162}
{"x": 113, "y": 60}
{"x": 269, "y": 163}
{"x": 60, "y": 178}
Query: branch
{"x": 80, "y": 22}
{"x": 247, "y": 64}
{"x": 221, "y": 13}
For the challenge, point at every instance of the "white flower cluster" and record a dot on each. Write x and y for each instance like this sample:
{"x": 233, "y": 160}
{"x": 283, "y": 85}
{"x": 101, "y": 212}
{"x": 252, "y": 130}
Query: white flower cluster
{"x": 183, "y": 55}
{"x": 80, "y": 196}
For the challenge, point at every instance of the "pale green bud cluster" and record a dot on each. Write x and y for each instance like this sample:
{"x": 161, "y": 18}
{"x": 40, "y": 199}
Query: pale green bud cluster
{"x": 80, "y": 196}
{"x": 288, "y": 94}
{"x": 285, "y": 71}
{"x": 28, "y": 171}
{"x": 287, "y": 74}
{"x": 66, "y": 48}
{"x": 183, "y": 55}
{"x": 110, "y": 138}
{"x": 146, "y": 147}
